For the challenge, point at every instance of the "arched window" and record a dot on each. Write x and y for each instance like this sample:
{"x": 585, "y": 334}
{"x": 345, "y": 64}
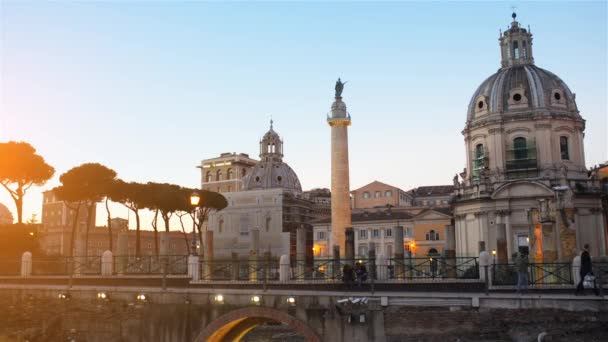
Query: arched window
{"x": 208, "y": 177}
{"x": 219, "y": 175}
{"x": 524, "y": 49}
{"x": 243, "y": 172}
{"x": 563, "y": 148}
{"x": 267, "y": 224}
{"x": 479, "y": 151}
{"x": 515, "y": 50}
{"x": 220, "y": 226}
{"x": 520, "y": 147}
{"x": 229, "y": 174}
{"x": 508, "y": 51}
{"x": 433, "y": 251}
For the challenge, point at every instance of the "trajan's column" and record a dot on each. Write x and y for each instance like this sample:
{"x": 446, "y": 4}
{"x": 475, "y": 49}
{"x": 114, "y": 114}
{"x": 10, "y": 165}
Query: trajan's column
{"x": 340, "y": 187}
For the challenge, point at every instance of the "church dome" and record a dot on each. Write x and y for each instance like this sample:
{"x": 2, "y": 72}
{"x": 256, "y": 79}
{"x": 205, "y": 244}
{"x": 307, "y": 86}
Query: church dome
{"x": 520, "y": 87}
{"x": 271, "y": 171}
{"x": 272, "y": 175}
{"x": 5, "y": 215}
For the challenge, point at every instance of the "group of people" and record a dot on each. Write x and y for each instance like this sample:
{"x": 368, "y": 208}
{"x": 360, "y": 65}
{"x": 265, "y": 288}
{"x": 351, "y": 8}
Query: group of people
{"x": 587, "y": 278}
{"x": 358, "y": 274}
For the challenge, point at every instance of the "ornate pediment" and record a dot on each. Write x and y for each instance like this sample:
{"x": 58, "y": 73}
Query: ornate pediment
{"x": 522, "y": 189}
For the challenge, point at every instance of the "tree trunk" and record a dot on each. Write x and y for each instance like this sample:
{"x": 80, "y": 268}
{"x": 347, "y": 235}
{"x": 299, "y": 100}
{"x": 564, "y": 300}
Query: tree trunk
{"x": 74, "y": 224}
{"x": 166, "y": 218}
{"x": 109, "y": 226}
{"x": 155, "y": 227}
{"x": 90, "y": 207}
{"x": 185, "y": 235}
{"x": 19, "y": 205}
{"x": 137, "y": 236}
{"x": 17, "y": 196}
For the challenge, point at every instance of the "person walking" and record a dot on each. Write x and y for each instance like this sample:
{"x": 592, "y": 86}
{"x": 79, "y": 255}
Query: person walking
{"x": 361, "y": 272}
{"x": 586, "y": 271}
{"x": 348, "y": 275}
{"x": 521, "y": 266}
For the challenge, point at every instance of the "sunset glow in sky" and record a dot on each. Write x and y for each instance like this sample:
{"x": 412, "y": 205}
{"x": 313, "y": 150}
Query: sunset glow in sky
{"x": 149, "y": 88}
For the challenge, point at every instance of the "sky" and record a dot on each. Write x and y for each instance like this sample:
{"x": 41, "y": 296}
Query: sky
{"x": 150, "y": 88}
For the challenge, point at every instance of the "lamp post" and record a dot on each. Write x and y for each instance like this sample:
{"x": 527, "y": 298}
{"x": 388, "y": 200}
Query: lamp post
{"x": 195, "y": 199}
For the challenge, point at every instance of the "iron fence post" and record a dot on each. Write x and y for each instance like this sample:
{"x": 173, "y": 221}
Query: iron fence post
{"x": 70, "y": 271}
{"x": 165, "y": 266}
{"x": 487, "y": 279}
{"x": 600, "y": 270}
{"x": 373, "y": 275}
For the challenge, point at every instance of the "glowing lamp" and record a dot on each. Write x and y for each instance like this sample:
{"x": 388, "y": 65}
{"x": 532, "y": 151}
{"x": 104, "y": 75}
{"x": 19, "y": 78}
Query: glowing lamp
{"x": 195, "y": 199}
{"x": 219, "y": 299}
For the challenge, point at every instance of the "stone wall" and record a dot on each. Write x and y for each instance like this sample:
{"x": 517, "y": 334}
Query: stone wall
{"x": 458, "y": 324}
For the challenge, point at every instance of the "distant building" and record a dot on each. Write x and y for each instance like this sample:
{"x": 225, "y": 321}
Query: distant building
{"x": 377, "y": 194}
{"x": 98, "y": 242}
{"x": 57, "y": 223}
{"x": 431, "y": 196}
{"x": 6, "y": 217}
{"x": 321, "y": 202}
{"x": 226, "y": 172}
{"x": 380, "y": 195}
{"x": 425, "y": 228}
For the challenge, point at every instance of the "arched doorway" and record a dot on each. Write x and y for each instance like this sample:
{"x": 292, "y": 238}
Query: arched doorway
{"x": 236, "y": 324}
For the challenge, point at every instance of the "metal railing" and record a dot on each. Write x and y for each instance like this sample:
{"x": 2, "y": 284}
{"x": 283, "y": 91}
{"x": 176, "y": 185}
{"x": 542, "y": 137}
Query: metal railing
{"x": 10, "y": 267}
{"x": 239, "y": 270}
{"x": 151, "y": 264}
{"x": 557, "y": 273}
{"x": 331, "y": 270}
{"x": 434, "y": 268}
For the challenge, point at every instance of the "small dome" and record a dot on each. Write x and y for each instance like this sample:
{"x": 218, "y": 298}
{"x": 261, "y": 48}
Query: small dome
{"x": 5, "y": 215}
{"x": 520, "y": 89}
{"x": 271, "y": 171}
{"x": 267, "y": 175}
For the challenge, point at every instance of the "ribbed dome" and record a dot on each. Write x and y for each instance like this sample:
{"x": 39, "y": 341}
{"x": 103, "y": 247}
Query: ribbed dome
{"x": 271, "y": 171}
{"x": 5, "y": 215}
{"x": 272, "y": 175}
{"x": 521, "y": 88}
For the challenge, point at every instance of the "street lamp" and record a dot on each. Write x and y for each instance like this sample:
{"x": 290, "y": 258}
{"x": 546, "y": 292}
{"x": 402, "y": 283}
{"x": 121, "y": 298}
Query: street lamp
{"x": 195, "y": 199}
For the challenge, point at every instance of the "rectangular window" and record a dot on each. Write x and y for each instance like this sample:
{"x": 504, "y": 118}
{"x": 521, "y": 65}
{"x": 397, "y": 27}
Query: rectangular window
{"x": 388, "y": 232}
{"x": 363, "y": 234}
{"x": 389, "y": 251}
{"x": 376, "y": 233}
{"x": 563, "y": 148}
{"x": 320, "y": 235}
{"x": 363, "y": 251}
{"x": 407, "y": 231}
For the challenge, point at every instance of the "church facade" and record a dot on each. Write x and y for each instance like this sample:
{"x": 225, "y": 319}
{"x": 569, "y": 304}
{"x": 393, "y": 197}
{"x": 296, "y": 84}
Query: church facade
{"x": 263, "y": 216}
{"x": 525, "y": 185}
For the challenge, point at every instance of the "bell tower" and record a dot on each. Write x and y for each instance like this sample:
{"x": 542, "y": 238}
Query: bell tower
{"x": 271, "y": 146}
{"x": 516, "y": 45}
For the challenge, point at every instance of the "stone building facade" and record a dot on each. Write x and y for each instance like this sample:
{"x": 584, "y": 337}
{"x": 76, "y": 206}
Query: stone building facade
{"x": 380, "y": 195}
{"x": 57, "y": 222}
{"x": 423, "y": 231}
{"x": 525, "y": 183}
{"x": 226, "y": 172}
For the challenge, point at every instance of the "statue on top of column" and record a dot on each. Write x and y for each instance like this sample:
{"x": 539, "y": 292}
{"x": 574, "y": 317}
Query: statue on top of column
{"x": 339, "y": 87}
